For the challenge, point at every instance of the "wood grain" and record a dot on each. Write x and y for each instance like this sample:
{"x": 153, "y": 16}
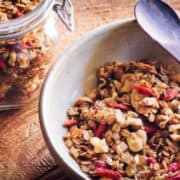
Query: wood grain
{"x": 23, "y": 153}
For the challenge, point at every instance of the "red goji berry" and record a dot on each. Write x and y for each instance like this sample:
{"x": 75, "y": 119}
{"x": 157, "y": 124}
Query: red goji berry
{"x": 28, "y": 43}
{"x": 101, "y": 164}
{"x": 151, "y": 160}
{"x": 108, "y": 173}
{"x": 70, "y": 122}
{"x": 173, "y": 167}
{"x": 2, "y": 66}
{"x": 100, "y": 130}
{"x": 176, "y": 177}
{"x": 122, "y": 107}
{"x": 150, "y": 129}
{"x": 18, "y": 14}
{"x": 143, "y": 90}
{"x": 18, "y": 46}
{"x": 170, "y": 94}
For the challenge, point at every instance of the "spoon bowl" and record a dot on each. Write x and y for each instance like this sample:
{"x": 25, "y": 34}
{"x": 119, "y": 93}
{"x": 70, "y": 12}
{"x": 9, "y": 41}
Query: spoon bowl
{"x": 161, "y": 22}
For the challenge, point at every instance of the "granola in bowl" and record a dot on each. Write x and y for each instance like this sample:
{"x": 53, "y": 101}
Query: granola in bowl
{"x": 128, "y": 127}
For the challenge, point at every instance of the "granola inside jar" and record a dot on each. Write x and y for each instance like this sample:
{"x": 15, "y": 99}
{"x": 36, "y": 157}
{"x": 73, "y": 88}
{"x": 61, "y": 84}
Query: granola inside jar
{"x": 29, "y": 37}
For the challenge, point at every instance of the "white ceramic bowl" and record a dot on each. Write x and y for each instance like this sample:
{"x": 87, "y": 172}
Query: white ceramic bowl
{"x": 74, "y": 72}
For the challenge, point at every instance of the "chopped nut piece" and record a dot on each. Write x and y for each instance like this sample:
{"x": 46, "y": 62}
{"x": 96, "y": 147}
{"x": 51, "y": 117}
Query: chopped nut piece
{"x": 128, "y": 81}
{"x": 74, "y": 152}
{"x": 134, "y": 122}
{"x": 150, "y": 101}
{"x": 109, "y": 161}
{"x": 120, "y": 118}
{"x": 131, "y": 168}
{"x": 122, "y": 147}
{"x": 73, "y": 111}
{"x": 135, "y": 144}
{"x": 126, "y": 157}
{"x": 105, "y": 116}
{"x": 174, "y": 130}
{"x": 132, "y": 114}
{"x": 86, "y": 135}
{"x": 82, "y": 100}
{"x": 69, "y": 143}
{"x": 116, "y": 127}
{"x": 12, "y": 58}
{"x": 137, "y": 140}
{"x": 76, "y": 132}
{"x": 100, "y": 146}
{"x": 162, "y": 120}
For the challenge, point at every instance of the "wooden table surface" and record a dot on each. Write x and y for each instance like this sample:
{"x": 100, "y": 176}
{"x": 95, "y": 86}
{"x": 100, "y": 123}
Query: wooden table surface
{"x": 23, "y": 152}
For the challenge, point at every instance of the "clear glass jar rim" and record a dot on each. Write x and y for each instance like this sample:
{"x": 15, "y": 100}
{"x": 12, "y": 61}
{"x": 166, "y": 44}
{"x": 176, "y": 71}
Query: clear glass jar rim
{"x": 19, "y": 23}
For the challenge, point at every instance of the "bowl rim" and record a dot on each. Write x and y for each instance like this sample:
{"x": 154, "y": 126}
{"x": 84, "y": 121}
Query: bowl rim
{"x": 59, "y": 157}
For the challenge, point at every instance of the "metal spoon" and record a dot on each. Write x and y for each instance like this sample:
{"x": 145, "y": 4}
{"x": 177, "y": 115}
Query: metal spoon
{"x": 161, "y": 22}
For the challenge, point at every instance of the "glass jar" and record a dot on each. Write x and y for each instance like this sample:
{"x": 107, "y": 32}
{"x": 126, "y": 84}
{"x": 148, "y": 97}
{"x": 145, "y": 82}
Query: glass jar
{"x": 28, "y": 45}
